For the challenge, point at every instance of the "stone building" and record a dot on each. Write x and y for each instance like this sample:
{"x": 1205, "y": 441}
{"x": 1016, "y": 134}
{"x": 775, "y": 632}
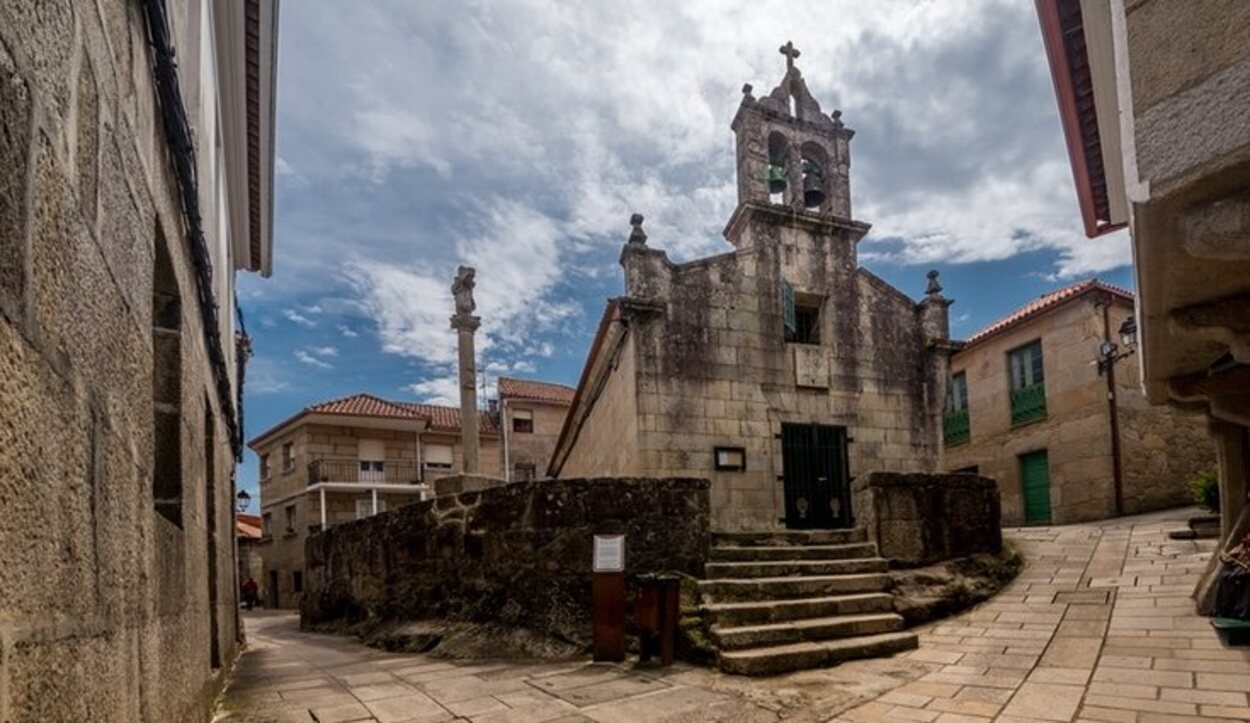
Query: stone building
{"x": 778, "y": 370}
{"x": 532, "y": 414}
{"x": 354, "y": 457}
{"x": 1154, "y": 97}
{"x": 1029, "y": 405}
{"x": 132, "y": 187}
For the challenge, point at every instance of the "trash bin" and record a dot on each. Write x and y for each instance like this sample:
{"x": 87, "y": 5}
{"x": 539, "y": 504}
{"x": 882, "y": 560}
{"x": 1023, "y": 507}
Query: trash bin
{"x": 655, "y": 615}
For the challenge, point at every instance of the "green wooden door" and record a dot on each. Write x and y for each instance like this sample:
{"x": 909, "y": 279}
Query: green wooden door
{"x": 1035, "y": 481}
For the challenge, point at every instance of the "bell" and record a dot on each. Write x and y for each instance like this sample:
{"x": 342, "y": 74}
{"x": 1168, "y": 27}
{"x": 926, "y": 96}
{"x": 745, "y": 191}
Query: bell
{"x": 813, "y": 189}
{"x": 776, "y": 178}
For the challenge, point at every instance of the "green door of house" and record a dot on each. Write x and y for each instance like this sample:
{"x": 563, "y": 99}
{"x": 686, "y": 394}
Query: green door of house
{"x": 1035, "y": 482}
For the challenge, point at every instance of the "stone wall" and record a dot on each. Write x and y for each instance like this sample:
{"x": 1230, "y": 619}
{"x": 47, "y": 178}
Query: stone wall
{"x": 283, "y": 552}
{"x": 518, "y": 554}
{"x": 920, "y": 519}
{"x": 109, "y": 610}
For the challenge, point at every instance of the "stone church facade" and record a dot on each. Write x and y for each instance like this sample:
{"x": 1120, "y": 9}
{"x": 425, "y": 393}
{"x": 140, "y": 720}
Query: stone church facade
{"x": 779, "y": 370}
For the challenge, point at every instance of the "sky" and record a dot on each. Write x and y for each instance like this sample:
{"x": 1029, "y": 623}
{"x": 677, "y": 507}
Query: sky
{"x": 517, "y": 136}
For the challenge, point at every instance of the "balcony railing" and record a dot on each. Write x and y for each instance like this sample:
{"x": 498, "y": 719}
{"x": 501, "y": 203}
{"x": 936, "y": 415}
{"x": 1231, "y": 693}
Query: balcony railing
{"x": 955, "y": 428}
{"x": 1028, "y": 404}
{"x": 393, "y": 472}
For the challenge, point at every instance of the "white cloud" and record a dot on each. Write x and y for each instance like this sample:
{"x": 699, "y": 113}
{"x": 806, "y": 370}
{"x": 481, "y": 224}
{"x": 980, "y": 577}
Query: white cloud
{"x": 427, "y": 135}
{"x": 307, "y": 358}
{"x": 439, "y": 390}
{"x": 298, "y": 318}
{"x": 324, "y": 351}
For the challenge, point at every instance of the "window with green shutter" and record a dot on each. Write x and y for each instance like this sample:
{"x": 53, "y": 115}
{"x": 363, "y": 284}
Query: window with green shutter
{"x": 955, "y": 424}
{"x": 1028, "y": 388}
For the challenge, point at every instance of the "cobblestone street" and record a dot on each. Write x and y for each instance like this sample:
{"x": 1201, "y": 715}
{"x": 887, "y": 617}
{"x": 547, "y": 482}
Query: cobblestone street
{"x": 1099, "y": 626}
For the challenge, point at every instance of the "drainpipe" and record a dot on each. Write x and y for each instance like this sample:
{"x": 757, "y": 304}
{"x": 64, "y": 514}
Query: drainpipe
{"x": 503, "y": 422}
{"x": 1117, "y": 473}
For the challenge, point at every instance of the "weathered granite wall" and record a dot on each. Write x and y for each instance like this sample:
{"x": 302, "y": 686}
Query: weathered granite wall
{"x": 919, "y": 519}
{"x": 518, "y": 554}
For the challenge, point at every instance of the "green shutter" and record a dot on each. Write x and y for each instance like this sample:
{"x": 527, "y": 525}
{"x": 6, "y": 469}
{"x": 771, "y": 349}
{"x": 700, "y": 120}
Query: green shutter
{"x": 787, "y": 308}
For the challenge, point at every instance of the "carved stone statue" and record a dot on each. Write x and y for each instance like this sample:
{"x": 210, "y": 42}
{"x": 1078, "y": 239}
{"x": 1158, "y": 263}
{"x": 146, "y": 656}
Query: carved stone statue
{"x": 462, "y": 289}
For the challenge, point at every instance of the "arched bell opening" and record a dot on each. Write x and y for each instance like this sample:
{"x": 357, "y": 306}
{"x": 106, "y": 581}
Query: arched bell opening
{"x": 778, "y": 167}
{"x": 815, "y": 163}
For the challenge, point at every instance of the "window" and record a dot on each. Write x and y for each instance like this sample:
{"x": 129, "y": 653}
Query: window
{"x": 364, "y": 507}
{"x": 288, "y": 457}
{"x": 439, "y": 456}
{"x": 523, "y": 472}
{"x": 522, "y": 421}
{"x": 166, "y": 386}
{"x": 955, "y": 423}
{"x": 290, "y": 518}
{"x": 264, "y": 467}
{"x": 1025, "y": 365}
{"x": 1028, "y": 390}
{"x": 800, "y": 317}
{"x": 372, "y": 472}
{"x": 297, "y": 581}
{"x": 267, "y": 524}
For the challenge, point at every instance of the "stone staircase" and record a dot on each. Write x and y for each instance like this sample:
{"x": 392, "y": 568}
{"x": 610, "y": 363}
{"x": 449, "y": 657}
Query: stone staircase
{"x": 784, "y": 601}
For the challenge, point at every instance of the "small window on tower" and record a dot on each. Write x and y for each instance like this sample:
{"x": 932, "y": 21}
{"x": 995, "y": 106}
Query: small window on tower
{"x": 806, "y": 324}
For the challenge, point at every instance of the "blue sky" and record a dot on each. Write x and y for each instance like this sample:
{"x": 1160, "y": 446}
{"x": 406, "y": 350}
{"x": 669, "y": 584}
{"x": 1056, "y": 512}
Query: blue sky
{"x": 518, "y": 135}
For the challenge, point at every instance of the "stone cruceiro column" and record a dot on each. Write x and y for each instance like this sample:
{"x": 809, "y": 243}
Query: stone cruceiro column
{"x": 466, "y": 324}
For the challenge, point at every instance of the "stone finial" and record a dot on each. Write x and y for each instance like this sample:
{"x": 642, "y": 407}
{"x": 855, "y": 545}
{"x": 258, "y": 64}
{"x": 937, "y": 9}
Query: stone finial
{"x": 638, "y": 237}
{"x": 934, "y": 287}
{"x": 790, "y": 52}
{"x": 746, "y": 91}
{"x": 836, "y": 115}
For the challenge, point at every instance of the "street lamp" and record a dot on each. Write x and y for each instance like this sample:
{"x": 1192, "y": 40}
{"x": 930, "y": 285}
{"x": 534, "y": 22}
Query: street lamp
{"x": 1109, "y": 352}
{"x": 242, "y": 500}
{"x": 1128, "y": 332}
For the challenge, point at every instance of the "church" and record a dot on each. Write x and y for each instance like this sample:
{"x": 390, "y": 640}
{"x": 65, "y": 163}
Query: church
{"x": 779, "y": 370}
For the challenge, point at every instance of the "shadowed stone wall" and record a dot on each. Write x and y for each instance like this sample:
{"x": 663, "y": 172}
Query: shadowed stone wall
{"x": 107, "y": 609}
{"x": 518, "y": 554}
{"x": 919, "y": 519}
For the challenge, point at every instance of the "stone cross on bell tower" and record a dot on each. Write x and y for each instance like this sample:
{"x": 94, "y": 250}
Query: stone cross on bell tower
{"x": 466, "y": 324}
{"x": 791, "y": 54}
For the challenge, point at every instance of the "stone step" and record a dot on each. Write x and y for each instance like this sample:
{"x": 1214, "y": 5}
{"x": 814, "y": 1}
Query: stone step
{"x": 743, "y": 553}
{"x": 774, "y": 538}
{"x": 737, "y": 614}
{"x": 785, "y": 568}
{"x": 772, "y": 588}
{"x": 815, "y": 629}
{"x": 802, "y": 656}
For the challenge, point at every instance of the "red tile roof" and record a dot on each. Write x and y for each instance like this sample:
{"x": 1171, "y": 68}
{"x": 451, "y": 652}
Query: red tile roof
{"x": 440, "y": 418}
{"x": 248, "y": 526}
{"x": 363, "y": 405}
{"x": 530, "y": 389}
{"x": 1045, "y": 302}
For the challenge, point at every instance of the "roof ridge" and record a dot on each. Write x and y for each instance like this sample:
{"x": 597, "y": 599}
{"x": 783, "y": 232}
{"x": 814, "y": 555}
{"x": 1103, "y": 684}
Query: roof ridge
{"x": 1043, "y": 302}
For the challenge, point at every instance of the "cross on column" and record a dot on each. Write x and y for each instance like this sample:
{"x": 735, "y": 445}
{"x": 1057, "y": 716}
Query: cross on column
{"x": 790, "y": 52}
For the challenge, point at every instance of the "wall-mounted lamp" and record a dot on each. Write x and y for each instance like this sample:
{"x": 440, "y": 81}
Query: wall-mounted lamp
{"x": 242, "y": 500}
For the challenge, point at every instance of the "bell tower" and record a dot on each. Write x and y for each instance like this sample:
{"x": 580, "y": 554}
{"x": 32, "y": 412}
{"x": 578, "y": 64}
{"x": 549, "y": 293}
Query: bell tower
{"x": 791, "y": 154}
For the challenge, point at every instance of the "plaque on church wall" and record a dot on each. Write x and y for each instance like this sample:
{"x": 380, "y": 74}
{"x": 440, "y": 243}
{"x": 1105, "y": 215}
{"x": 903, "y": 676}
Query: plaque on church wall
{"x": 811, "y": 366}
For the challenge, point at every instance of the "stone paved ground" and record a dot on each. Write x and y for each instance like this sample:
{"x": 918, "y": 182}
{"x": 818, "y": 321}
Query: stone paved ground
{"x": 1099, "y": 626}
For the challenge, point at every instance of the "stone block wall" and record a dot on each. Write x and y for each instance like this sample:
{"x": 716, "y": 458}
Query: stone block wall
{"x": 920, "y": 519}
{"x": 518, "y": 554}
{"x": 109, "y": 611}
